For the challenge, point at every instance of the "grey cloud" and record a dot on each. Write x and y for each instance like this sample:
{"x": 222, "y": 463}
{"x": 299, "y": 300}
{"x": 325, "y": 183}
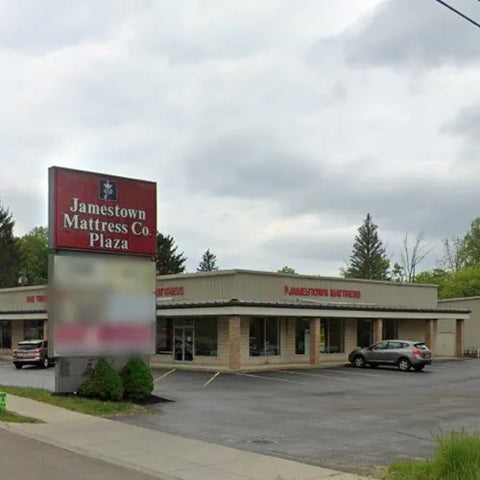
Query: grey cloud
{"x": 409, "y": 32}
{"x": 466, "y": 123}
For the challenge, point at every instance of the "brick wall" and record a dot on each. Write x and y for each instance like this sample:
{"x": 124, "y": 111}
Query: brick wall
{"x": 17, "y": 332}
{"x": 412, "y": 330}
{"x": 350, "y": 335}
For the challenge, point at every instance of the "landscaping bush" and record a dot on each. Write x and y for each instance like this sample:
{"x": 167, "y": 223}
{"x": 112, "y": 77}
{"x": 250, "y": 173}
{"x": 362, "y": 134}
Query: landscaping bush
{"x": 104, "y": 383}
{"x": 457, "y": 457}
{"x": 137, "y": 380}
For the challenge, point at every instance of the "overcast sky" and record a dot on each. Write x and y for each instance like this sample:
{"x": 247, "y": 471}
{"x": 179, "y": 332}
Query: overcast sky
{"x": 271, "y": 127}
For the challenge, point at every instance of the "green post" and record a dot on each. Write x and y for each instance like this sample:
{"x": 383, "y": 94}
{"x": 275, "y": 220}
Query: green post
{"x": 3, "y": 401}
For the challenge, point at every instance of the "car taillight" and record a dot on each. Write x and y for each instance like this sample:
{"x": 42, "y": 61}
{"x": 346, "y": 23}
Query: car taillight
{"x": 416, "y": 351}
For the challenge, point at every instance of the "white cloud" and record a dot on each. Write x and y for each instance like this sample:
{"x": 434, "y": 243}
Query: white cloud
{"x": 271, "y": 129}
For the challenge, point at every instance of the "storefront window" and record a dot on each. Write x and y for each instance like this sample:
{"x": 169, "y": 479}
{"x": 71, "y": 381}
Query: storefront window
{"x": 33, "y": 329}
{"x": 164, "y": 336}
{"x": 5, "y": 334}
{"x": 206, "y": 333}
{"x": 390, "y": 329}
{"x": 264, "y": 337}
{"x": 302, "y": 336}
{"x": 332, "y": 335}
{"x": 364, "y": 332}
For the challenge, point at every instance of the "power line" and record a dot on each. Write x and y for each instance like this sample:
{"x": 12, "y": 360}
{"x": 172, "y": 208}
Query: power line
{"x": 458, "y": 13}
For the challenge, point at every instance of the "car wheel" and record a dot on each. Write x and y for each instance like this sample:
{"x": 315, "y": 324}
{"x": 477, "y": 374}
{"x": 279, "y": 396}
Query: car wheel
{"x": 18, "y": 366}
{"x": 404, "y": 364}
{"x": 46, "y": 362}
{"x": 359, "y": 361}
{"x": 418, "y": 368}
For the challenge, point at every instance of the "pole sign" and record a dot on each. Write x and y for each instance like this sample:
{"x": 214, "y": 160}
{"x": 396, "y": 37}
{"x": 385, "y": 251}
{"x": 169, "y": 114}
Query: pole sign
{"x": 102, "y": 276}
{"x": 101, "y": 213}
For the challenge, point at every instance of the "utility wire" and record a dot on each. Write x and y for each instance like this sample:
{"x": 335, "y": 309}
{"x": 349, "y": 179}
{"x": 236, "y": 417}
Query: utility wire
{"x": 458, "y": 13}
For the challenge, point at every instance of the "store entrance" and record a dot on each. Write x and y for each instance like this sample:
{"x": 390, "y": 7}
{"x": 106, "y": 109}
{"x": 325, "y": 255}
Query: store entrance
{"x": 183, "y": 341}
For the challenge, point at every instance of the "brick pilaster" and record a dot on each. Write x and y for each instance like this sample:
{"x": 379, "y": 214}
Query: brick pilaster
{"x": 377, "y": 327}
{"x": 314, "y": 341}
{"x": 460, "y": 338}
{"x": 234, "y": 336}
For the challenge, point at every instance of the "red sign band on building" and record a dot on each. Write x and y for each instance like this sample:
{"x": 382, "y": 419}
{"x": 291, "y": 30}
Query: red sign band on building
{"x": 170, "y": 291}
{"x": 103, "y": 213}
{"x": 321, "y": 292}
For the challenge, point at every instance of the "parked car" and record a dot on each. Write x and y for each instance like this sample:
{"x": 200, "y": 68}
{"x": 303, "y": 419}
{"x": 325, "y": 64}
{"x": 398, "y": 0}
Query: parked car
{"x": 403, "y": 353}
{"x": 32, "y": 352}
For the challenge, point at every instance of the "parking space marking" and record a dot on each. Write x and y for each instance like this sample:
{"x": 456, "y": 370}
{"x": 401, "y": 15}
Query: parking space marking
{"x": 270, "y": 378}
{"x": 165, "y": 375}
{"x": 318, "y": 375}
{"x": 215, "y": 375}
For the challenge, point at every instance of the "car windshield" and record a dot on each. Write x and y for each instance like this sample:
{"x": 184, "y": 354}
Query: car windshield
{"x": 29, "y": 346}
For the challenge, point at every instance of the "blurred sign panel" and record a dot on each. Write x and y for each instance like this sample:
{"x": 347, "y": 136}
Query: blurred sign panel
{"x": 101, "y": 213}
{"x": 102, "y": 305}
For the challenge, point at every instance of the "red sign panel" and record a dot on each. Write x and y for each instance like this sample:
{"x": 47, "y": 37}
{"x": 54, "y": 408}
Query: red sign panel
{"x": 321, "y": 292}
{"x": 102, "y": 213}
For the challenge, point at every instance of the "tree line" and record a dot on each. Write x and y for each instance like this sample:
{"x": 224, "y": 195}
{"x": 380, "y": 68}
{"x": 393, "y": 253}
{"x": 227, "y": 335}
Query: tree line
{"x": 24, "y": 260}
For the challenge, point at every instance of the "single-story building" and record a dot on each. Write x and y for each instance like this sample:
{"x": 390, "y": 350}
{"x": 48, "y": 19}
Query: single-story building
{"x": 240, "y": 319}
{"x": 446, "y": 328}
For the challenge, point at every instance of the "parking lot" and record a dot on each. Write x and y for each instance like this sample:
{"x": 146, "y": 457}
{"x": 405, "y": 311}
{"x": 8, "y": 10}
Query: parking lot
{"x": 344, "y": 418}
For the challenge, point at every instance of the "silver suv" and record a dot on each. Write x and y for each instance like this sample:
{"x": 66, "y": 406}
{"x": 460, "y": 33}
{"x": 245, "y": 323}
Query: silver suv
{"x": 32, "y": 352}
{"x": 403, "y": 353}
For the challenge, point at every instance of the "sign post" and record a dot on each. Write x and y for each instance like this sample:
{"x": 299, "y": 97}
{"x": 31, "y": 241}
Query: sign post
{"x": 101, "y": 300}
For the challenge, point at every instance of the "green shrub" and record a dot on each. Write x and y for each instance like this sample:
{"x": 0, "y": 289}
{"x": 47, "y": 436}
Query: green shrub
{"x": 104, "y": 383}
{"x": 457, "y": 457}
{"x": 137, "y": 380}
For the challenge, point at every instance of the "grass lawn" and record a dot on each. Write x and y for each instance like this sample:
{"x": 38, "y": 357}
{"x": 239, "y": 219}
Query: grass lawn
{"x": 89, "y": 406}
{"x": 6, "y": 416}
{"x": 457, "y": 457}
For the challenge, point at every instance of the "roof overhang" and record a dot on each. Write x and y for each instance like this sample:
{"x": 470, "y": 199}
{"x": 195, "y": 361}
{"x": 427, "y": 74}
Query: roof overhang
{"x": 240, "y": 308}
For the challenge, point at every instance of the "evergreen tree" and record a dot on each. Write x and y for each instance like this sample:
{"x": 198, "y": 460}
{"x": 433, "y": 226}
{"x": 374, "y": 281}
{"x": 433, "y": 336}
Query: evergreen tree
{"x": 208, "y": 263}
{"x": 9, "y": 254}
{"x": 168, "y": 261}
{"x": 368, "y": 258}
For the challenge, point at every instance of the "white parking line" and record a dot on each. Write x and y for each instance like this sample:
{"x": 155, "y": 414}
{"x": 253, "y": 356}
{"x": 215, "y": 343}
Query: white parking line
{"x": 318, "y": 375}
{"x": 165, "y": 375}
{"x": 211, "y": 379}
{"x": 270, "y": 378}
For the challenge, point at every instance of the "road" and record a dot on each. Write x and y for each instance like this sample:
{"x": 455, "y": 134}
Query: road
{"x": 22, "y": 458}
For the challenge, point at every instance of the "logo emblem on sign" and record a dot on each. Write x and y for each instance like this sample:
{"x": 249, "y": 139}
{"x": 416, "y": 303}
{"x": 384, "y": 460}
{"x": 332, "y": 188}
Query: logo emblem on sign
{"x": 107, "y": 190}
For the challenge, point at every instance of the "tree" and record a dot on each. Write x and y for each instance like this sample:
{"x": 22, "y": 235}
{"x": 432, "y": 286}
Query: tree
{"x": 208, "y": 263}
{"x": 453, "y": 254}
{"x": 368, "y": 258}
{"x": 167, "y": 260}
{"x": 288, "y": 270}
{"x": 413, "y": 255}
{"x": 33, "y": 248}
{"x": 464, "y": 283}
{"x": 9, "y": 254}
{"x": 398, "y": 273}
{"x": 436, "y": 276}
{"x": 471, "y": 245}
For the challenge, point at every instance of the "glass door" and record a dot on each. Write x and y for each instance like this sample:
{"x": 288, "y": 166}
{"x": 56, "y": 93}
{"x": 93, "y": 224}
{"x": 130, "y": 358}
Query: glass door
{"x": 183, "y": 339}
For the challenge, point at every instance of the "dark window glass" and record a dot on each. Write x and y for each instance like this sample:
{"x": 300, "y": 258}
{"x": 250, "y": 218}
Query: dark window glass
{"x": 302, "y": 336}
{"x": 332, "y": 335}
{"x": 257, "y": 337}
{"x": 5, "y": 334}
{"x": 390, "y": 329}
{"x": 29, "y": 346}
{"x": 164, "y": 336}
{"x": 264, "y": 337}
{"x": 381, "y": 346}
{"x": 206, "y": 336}
{"x": 32, "y": 329}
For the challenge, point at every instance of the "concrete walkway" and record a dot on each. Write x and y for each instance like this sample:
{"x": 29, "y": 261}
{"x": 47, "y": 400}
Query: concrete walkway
{"x": 166, "y": 456}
